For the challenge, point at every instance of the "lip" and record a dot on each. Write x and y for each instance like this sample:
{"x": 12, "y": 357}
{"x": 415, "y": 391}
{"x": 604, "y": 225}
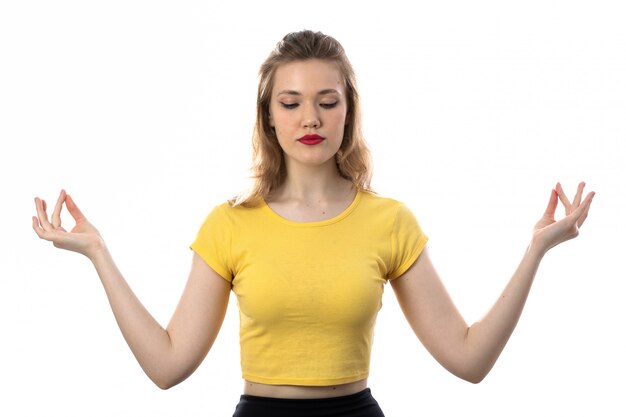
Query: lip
{"x": 310, "y": 139}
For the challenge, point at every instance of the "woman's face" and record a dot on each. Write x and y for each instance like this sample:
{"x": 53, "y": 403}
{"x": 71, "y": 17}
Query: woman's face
{"x": 308, "y": 111}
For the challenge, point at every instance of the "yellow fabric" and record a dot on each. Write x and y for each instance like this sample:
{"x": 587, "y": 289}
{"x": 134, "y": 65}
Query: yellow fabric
{"x": 309, "y": 293}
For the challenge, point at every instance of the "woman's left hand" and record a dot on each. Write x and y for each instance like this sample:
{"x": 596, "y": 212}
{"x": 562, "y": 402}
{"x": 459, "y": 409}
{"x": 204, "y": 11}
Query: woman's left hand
{"x": 548, "y": 232}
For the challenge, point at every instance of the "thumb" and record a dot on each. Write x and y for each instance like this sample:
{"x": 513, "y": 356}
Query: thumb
{"x": 551, "y": 208}
{"x": 73, "y": 209}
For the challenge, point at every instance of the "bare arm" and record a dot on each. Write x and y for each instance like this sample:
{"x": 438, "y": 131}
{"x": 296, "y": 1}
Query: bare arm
{"x": 168, "y": 356}
{"x": 470, "y": 352}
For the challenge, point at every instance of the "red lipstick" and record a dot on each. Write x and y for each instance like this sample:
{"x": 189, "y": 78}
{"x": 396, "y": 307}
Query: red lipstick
{"x": 310, "y": 139}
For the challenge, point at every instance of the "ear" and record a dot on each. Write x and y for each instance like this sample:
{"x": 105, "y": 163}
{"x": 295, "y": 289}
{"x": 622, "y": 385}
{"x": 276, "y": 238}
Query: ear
{"x": 271, "y": 120}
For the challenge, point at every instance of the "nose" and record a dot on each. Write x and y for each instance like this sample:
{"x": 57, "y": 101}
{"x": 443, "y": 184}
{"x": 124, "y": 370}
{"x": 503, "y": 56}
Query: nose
{"x": 310, "y": 117}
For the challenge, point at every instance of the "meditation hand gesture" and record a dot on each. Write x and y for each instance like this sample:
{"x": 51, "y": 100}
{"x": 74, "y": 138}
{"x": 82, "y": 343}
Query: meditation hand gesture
{"x": 83, "y": 238}
{"x": 548, "y": 232}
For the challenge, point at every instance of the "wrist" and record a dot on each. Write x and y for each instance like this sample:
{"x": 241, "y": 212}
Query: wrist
{"x": 536, "y": 248}
{"x": 97, "y": 250}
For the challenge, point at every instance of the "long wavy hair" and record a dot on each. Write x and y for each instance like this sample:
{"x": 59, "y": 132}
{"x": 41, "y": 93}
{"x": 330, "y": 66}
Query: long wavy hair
{"x": 268, "y": 162}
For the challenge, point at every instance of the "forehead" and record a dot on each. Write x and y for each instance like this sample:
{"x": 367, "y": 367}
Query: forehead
{"x": 310, "y": 76}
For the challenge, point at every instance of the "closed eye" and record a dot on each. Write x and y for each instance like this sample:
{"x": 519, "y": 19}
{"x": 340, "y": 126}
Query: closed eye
{"x": 322, "y": 105}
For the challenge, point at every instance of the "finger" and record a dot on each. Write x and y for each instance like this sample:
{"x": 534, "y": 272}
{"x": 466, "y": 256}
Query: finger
{"x": 579, "y": 194}
{"x": 56, "y": 214}
{"x": 40, "y": 205}
{"x": 582, "y": 210}
{"x": 39, "y": 230}
{"x": 36, "y": 227}
{"x": 563, "y": 197}
{"x": 586, "y": 205}
{"x": 73, "y": 209}
{"x": 582, "y": 219}
{"x": 554, "y": 201}
{"x": 50, "y": 235}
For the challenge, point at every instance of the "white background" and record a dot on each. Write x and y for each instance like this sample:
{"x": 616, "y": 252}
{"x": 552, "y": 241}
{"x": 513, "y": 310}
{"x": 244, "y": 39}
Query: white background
{"x": 143, "y": 111}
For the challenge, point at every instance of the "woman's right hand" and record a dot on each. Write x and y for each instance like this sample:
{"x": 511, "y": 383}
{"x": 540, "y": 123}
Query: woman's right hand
{"x": 83, "y": 238}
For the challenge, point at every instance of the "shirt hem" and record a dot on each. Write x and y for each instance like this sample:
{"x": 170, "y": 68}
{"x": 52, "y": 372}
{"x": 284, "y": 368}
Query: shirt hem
{"x": 305, "y": 381}
{"x": 423, "y": 240}
{"x": 210, "y": 262}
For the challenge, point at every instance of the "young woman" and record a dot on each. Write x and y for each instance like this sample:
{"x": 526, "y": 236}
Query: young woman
{"x": 307, "y": 252}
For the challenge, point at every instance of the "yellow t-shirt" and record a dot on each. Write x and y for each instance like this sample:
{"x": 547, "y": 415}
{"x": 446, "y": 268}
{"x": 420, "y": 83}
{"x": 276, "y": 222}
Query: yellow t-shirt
{"x": 309, "y": 293}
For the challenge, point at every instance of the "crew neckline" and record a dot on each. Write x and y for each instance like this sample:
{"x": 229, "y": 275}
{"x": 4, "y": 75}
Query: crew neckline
{"x": 339, "y": 217}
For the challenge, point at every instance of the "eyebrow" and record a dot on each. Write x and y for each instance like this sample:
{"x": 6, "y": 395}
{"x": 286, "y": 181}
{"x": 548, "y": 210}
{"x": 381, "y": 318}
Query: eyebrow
{"x": 322, "y": 92}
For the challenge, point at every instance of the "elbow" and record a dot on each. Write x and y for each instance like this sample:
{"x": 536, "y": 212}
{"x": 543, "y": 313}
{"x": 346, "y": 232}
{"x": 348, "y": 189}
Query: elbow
{"x": 165, "y": 380}
{"x": 164, "y": 383}
{"x": 171, "y": 374}
{"x": 167, "y": 374}
{"x": 475, "y": 379}
{"x": 476, "y": 374}
{"x": 474, "y": 368}
{"x": 472, "y": 377}
{"x": 473, "y": 374}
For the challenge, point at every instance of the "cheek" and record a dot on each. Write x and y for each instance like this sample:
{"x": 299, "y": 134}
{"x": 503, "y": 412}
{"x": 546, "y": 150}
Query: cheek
{"x": 281, "y": 120}
{"x": 281, "y": 129}
{"x": 341, "y": 117}
{"x": 339, "y": 120}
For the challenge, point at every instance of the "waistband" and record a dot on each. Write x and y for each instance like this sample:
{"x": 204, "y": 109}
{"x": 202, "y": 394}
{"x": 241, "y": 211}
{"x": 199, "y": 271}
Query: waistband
{"x": 359, "y": 396}
{"x": 361, "y": 404}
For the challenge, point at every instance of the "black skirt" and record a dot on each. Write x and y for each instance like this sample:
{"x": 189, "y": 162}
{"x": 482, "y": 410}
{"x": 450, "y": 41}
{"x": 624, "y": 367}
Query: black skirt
{"x": 361, "y": 404}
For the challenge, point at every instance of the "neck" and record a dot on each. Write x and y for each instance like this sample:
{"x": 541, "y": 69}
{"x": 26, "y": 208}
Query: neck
{"x": 306, "y": 183}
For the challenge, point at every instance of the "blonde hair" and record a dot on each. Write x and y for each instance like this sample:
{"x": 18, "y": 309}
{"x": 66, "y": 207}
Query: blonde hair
{"x": 268, "y": 168}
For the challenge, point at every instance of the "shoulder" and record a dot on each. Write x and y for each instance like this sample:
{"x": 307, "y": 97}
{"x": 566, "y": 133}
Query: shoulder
{"x": 393, "y": 212}
{"x": 229, "y": 209}
{"x": 375, "y": 201}
{"x": 228, "y": 216}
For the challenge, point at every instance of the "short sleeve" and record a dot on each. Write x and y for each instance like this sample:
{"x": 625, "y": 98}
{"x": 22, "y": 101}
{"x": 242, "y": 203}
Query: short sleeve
{"x": 213, "y": 242}
{"x": 407, "y": 242}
